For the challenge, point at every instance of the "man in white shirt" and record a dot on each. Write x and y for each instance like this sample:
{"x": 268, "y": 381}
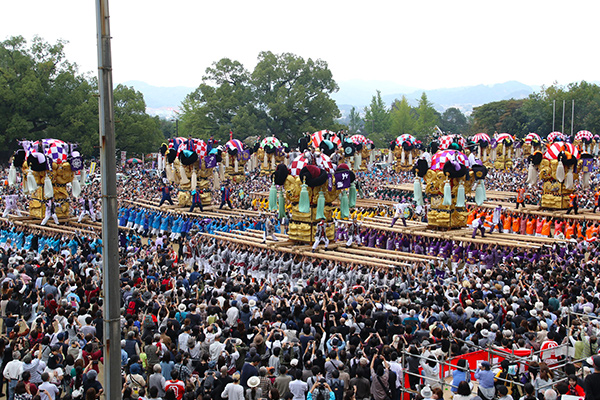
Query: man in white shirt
{"x": 184, "y": 338}
{"x": 12, "y": 373}
{"x": 298, "y": 387}
{"x": 215, "y": 349}
{"x": 48, "y": 391}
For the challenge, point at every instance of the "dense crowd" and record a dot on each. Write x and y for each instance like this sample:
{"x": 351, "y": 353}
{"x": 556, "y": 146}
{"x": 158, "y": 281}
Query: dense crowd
{"x": 204, "y": 318}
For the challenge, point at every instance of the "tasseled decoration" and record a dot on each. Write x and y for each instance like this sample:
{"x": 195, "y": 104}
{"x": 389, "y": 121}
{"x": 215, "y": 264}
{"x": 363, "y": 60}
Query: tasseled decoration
{"x": 194, "y": 180}
{"x": 447, "y": 194}
{"x": 320, "y": 206}
{"x": 273, "y": 162}
{"x": 221, "y": 172}
{"x": 479, "y": 193}
{"x": 418, "y": 191}
{"x": 25, "y": 187}
{"x": 410, "y": 159}
{"x": 352, "y": 196}
{"x": 159, "y": 160}
{"x": 304, "y": 204}
{"x": 569, "y": 179}
{"x": 358, "y": 161}
{"x": 504, "y": 152}
{"x": 12, "y": 175}
{"x": 484, "y": 193}
{"x": 532, "y": 175}
{"x": 183, "y": 179}
{"x": 31, "y": 183}
{"x": 344, "y": 205}
{"x": 216, "y": 180}
{"x": 273, "y": 197}
{"x": 560, "y": 172}
{"x": 585, "y": 180}
{"x": 460, "y": 196}
{"x": 390, "y": 157}
{"x": 227, "y": 161}
{"x": 169, "y": 169}
{"x": 235, "y": 166}
{"x": 509, "y": 153}
{"x": 402, "y": 157}
{"x": 76, "y": 187}
{"x": 479, "y": 152}
{"x": 484, "y": 155}
{"x": 371, "y": 157}
{"x": 48, "y": 189}
{"x": 281, "y": 205}
{"x": 265, "y": 160}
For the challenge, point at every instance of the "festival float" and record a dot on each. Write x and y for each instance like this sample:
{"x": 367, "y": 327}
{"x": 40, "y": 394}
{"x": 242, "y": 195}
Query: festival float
{"x": 557, "y": 168}
{"x": 405, "y": 150}
{"x": 189, "y": 165}
{"x": 448, "y": 181}
{"x": 585, "y": 141}
{"x": 48, "y": 165}
{"x": 482, "y": 142}
{"x": 310, "y": 186}
{"x": 533, "y": 142}
{"x": 325, "y": 141}
{"x": 271, "y": 151}
{"x": 235, "y": 159}
{"x": 363, "y": 149}
{"x": 503, "y": 151}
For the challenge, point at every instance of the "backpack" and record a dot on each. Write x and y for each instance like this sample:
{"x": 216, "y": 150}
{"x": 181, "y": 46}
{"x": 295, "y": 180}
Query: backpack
{"x": 322, "y": 394}
{"x": 131, "y": 308}
{"x": 337, "y": 385}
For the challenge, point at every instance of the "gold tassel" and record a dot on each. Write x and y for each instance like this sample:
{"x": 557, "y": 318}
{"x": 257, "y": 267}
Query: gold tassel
{"x": 194, "y": 180}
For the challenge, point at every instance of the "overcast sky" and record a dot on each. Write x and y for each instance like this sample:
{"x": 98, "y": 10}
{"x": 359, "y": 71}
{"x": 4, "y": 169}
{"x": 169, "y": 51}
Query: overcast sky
{"x": 424, "y": 44}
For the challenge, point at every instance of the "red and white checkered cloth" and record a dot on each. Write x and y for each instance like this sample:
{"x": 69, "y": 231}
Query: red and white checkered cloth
{"x": 405, "y": 138}
{"x": 439, "y": 159}
{"x": 359, "y": 139}
{"x": 297, "y": 165}
{"x": 584, "y": 135}
{"x": 552, "y": 136}
{"x": 555, "y": 148}
{"x": 324, "y": 162}
{"x": 447, "y": 140}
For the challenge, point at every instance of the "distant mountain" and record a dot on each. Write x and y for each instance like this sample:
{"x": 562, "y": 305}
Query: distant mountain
{"x": 465, "y": 98}
{"x": 165, "y": 101}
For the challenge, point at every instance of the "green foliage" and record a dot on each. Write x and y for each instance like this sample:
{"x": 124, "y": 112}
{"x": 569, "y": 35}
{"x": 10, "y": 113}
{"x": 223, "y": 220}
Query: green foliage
{"x": 284, "y": 96}
{"x": 403, "y": 119}
{"x": 428, "y": 118}
{"x": 356, "y": 123}
{"x": 377, "y": 116}
{"x": 453, "y": 120}
{"x": 42, "y": 95}
{"x": 135, "y": 131}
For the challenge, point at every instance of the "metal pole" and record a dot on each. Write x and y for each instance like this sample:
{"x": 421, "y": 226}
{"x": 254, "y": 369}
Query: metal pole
{"x": 572, "y": 115}
{"x": 553, "y": 113}
{"x": 563, "y": 120}
{"x": 110, "y": 249}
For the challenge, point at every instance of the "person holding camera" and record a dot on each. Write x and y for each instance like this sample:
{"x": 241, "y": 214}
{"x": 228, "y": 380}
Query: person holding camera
{"x": 320, "y": 391}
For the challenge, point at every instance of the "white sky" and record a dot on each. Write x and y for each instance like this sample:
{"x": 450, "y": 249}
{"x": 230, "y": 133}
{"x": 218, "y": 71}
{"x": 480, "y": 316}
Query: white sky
{"x": 426, "y": 44}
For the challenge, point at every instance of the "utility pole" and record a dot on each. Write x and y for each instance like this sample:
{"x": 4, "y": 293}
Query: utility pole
{"x": 553, "y": 113}
{"x": 563, "y": 121}
{"x": 110, "y": 233}
{"x": 572, "y": 116}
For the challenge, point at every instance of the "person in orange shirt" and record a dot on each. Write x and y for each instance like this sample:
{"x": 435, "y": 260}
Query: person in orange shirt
{"x": 546, "y": 227}
{"x": 596, "y": 200}
{"x": 573, "y": 203}
{"x": 539, "y": 224}
{"x": 471, "y": 217}
{"x": 516, "y": 223}
{"x": 580, "y": 229}
{"x": 506, "y": 222}
{"x": 590, "y": 233}
{"x": 569, "y": 229}
{"x": 530, "y": 227}
{"x": 520, "y": 198}
{"x": 523, "y": 229}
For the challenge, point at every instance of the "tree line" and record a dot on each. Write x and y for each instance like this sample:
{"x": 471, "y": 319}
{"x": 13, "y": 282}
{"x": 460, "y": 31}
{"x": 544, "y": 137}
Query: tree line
{"x": 43, "y": 95}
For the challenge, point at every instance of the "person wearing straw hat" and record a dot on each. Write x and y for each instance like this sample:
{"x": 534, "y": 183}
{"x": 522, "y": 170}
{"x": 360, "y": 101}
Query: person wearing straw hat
{"x": 253, "y": 392}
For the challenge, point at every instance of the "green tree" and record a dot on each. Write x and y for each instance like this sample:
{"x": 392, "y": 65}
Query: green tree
{"x": 402, "y": 118}
{"x": 377, "y": 116}
{"x": 135, "y": 131}
{"x": 428, "y": 118}
{"x": 356, "y": 123}
{"x": 294, "y": 94}
{"x": 453, "y": 120}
